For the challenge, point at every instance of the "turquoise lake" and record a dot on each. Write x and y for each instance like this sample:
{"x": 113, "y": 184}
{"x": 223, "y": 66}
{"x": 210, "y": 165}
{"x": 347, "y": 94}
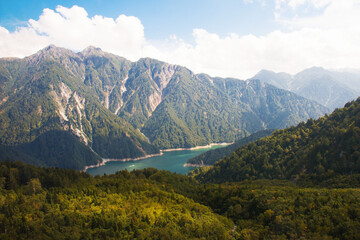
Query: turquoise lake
{"x": 173, "y": 161}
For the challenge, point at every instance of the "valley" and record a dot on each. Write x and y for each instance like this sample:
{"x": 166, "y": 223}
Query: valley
{"x": 291, "y": 172}
{"x": 180, "y": 120}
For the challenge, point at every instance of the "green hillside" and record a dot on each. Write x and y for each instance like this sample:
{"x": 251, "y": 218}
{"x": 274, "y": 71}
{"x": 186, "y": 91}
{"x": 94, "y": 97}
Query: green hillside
{"x": 48, "y": 203}
{"x": 53, "y": 149}
{"x": 317, "y": 150}
{"x": 38, "y": 203}
{"x": 212, "y": 156}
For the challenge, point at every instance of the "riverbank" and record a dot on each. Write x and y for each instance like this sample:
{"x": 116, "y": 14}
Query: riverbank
{"x": 104, "y": 160}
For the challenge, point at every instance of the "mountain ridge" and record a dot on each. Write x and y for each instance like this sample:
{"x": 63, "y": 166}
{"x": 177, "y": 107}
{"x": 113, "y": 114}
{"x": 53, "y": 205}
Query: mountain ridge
{"x": 125, "y": 109}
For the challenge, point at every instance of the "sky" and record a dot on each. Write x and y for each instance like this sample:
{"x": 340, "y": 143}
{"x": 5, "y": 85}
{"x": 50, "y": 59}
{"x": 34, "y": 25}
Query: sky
{"x": 226, "y": 38}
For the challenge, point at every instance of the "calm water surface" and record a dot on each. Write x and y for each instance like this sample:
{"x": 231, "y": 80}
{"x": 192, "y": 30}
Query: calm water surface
{"x": 173, "y": 161}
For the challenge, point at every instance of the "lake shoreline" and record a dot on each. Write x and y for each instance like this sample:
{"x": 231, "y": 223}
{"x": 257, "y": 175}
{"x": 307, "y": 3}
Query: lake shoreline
{"x": 105, "y": 160}
{"x": 196, "y": 165}
{"x": 197, "y": 147}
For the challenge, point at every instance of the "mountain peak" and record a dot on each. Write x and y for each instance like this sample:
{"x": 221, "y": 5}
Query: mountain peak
{"x": 54, "y": 50}
{"x": 50, "y": 47}
{"x": 51, "y": 52}
{"x": 91, "y": 50}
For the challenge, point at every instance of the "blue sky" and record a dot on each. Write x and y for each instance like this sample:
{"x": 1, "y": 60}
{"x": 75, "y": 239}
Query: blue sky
{"x": 228, "y": 38}
{"x": 160, "y": 18}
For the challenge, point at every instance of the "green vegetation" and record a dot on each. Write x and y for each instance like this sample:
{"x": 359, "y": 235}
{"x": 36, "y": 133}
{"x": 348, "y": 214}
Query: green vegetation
{"x": 198, "y": 110}
{"x": 53, "y": 149}
{"x": 319, "y": 201}
{"x": 37, "y": 203}
{"x": 316, "y": 151}
{"x": 212, "y": 156}
{"x": 48, "y": 203}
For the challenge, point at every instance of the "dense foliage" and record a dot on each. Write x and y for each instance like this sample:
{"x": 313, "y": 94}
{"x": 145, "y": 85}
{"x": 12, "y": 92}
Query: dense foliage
{"x": 318, "y": 149}
{"x": 212, "y": 156}
{"x": 53, "y": 149}
{"x": 48, "y": 203}
{"x": 38, "y": 203}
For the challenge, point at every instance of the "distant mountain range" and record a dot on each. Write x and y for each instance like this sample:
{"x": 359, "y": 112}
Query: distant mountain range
{"x": 329, "y": 88}
{"x": 120, "y": 109}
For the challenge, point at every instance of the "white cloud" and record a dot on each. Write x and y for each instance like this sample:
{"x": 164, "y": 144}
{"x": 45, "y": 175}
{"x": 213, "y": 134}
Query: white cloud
{"x": 298, "y": 3}
{"x": 73, "y": 29}
{"x": 329, "y": 39}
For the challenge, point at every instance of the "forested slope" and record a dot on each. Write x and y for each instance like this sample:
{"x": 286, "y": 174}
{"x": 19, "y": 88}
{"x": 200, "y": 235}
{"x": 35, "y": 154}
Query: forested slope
{"x": 48, "y": 203}
{"x": 212, "y": 156}
{"x": 322, "y": 148}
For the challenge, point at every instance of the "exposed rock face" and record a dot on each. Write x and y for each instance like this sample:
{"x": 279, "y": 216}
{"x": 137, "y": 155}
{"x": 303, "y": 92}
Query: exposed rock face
{"x": 62, "y": 99}
{"x": 154, "y": 100}
{"x": 163, "y": 76}
{"x": 71, "y": 109}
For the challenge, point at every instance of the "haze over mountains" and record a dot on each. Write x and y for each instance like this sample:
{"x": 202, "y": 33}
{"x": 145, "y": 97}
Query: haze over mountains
{"x": 330, "y": 88}
{"x": 123, "y": 109}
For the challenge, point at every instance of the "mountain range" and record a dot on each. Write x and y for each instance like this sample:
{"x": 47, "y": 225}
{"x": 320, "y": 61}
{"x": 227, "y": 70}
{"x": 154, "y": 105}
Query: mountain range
{"x": 330, "y": 88}
{"x": 115, "y": 108}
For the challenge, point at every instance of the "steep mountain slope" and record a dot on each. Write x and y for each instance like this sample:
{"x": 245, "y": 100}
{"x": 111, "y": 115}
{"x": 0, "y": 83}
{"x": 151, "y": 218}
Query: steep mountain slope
{"x": 329, "y": 88}
{"x": 46, "y": 92}
{"x": 174, "y": 107}
{"x": 212, "y": 156}
{"x": 274, "y": 107}
{"x": 323, "y": 148}
{"x": 194, "y": 112}
{"x": 110, "y": 103}
{"x": 53, "y": 149}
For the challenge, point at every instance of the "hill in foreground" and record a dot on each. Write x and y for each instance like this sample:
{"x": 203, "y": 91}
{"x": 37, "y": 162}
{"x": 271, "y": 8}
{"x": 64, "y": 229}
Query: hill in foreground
{"x": 47, "y": 203}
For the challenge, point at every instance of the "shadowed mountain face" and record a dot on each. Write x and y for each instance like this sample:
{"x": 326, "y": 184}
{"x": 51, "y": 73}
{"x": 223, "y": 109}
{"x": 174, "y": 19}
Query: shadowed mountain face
{"x": 124, "y": 109}
{"x": 329, "y": 88}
